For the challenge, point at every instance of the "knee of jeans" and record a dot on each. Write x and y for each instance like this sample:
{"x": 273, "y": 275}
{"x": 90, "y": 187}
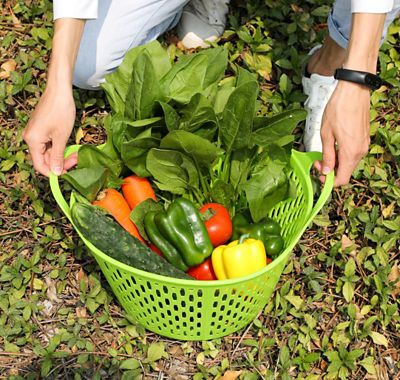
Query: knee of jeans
{"x": 87, "y": 78}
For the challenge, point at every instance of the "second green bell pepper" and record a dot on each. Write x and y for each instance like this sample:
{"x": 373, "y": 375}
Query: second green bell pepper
{"x": 170, "y": 253}
{"x": 266, "y": 230}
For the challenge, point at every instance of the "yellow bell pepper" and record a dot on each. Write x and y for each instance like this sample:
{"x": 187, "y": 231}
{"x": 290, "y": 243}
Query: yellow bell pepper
{"x": 239, "y": 258}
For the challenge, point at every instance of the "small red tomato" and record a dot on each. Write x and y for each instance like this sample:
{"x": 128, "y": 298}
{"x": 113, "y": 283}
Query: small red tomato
{"x": 203, "y": 271}
{"x": 156, "y": 250}
{"x": 269, "y": 261}
{"x": 219, "y": 225}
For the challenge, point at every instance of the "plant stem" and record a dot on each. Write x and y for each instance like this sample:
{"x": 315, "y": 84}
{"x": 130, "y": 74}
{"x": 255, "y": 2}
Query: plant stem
{"x": 226, "y": 167}
{"x": 205, "y": 187}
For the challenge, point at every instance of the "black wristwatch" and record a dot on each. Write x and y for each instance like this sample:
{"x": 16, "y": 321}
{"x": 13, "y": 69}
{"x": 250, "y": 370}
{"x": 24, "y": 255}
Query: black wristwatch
{"x": 364, "y": 78}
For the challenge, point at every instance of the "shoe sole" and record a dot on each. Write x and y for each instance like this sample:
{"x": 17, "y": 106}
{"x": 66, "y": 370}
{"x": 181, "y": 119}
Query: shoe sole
{"x": 193, "y": 41}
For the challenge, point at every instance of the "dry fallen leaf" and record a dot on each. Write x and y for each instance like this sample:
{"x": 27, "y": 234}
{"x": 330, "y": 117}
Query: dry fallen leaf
{"x": 81, "y": 312}
{"x": 51, "y": 291}
{"x": 80, "y": 134}
{"x": 346, "y": 243}
{"x": 15, "y": 20}
{"x": 394, "y": 276}
{"x": 7, "y": 67}
{"x": 388, "y": 211}
{"x": 231, "y": 375}
{"x": 81, "y": 276}
{"x": 176, "y": 350}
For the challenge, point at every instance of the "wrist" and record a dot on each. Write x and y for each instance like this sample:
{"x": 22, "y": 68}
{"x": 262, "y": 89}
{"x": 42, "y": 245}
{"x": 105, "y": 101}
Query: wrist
{"x": 361, "y": 64}
{"x": 59, "y": 77}
{"x": 351, "y": 88}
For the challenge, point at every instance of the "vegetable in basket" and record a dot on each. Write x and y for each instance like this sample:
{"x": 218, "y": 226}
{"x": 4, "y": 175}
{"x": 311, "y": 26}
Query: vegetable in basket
{"x": 114, "y": 241}
{"x": 136, "y": 190}
{"x": 266, "y": 230}
{"x": 181, "y": 227}
{"x": 170, "y": 253}
{"x": 203, "y": 271}
{"x": 113, "y": 201}
{"x": 239, "y": 258}
{"x": 218, "y": 224}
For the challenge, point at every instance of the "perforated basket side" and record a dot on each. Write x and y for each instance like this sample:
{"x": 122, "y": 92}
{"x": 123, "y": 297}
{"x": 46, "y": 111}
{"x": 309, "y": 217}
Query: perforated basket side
{"x": 191, "y": 312}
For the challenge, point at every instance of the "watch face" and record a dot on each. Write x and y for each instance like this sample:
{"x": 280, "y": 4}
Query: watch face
{"x": 373, "y": 81}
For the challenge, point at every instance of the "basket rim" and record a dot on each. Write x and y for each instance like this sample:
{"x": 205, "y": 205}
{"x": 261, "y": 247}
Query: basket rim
{"x": 297, "y": 157}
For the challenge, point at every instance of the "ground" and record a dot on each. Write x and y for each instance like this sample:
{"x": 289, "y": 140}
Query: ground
{"x": 335, "y": 312}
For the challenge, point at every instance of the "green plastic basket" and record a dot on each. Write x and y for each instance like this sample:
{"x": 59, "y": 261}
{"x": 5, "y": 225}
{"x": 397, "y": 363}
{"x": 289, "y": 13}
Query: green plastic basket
{"x": 203, "y": 310}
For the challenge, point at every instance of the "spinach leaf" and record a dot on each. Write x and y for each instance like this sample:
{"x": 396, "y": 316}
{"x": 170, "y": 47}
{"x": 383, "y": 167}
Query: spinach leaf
{"x": 87, "y": 181}
{"x": 91, "y": 156}
{"x": 173, "y": 171}
{"x": 109, "y": 148}
{"x": 223, "y": 193}
{"x": 134, "y": 152}
{"x": 240, "y": 167}
{"x": 137, "y": 127}
{"x": 276, "y": 129}
{"x": 199, "y": 149}
{"x": 171, "y": 117}
{"x": 144, "y": 89}
{"x": 217, "y": 62}
{"x": 235, "y": 125}
{"x": 186, "y": 78}
{"x": 123, "y": 129}
{"x": 225, "y": 89}
{"x": 244, "y": 76}
{"x": 117, "y": 83}
{"x": 268, "y": 184}
{"x": 199, "y": 111}
{"x": 138, "y": 213}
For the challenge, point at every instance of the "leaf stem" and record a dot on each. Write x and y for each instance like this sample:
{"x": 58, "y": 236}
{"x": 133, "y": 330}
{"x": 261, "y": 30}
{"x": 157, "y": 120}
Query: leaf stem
{"x": 226, "y": 167}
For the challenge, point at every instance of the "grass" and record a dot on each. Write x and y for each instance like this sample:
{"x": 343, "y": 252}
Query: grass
{"x": 335, "y": 312}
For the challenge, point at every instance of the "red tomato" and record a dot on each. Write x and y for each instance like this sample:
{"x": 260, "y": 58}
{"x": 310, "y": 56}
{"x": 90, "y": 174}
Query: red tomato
{"x": 203, "y": 271}
{"x": 269, "y": 261}
{"x": 219, "y": 226}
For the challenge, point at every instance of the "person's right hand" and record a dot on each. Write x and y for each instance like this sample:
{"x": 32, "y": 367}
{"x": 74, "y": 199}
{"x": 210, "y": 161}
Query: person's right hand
{"x": 48, "y": 130}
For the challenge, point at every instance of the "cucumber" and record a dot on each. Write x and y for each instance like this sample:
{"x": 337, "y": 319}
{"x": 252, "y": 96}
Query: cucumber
{"x": 110, "y": 238}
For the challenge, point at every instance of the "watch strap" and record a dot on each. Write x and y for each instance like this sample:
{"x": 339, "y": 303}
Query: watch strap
{"x": 363, "y": 78}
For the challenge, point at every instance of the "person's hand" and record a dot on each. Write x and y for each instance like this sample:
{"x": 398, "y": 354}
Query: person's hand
{"x": 48, "y": 130}
{"x": 345, "y": 131}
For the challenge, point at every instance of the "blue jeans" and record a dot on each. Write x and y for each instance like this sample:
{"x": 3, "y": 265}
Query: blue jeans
{"x": 124, "y": 24}
{"x": 339, "y": 21}
{"x": 120, "y": 26}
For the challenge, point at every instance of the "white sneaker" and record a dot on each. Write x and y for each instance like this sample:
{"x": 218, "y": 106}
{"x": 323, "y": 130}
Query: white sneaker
{"x": 201, "y": 21}
{"x": 319, "y": 89}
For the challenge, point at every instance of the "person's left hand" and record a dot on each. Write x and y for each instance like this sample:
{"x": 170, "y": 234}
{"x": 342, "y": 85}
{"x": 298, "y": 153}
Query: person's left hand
{"x": 345, "y": 131}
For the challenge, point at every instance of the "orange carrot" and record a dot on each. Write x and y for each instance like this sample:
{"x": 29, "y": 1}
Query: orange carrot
{"x": 113, "y": 201}
{"x": 136, "y": 190}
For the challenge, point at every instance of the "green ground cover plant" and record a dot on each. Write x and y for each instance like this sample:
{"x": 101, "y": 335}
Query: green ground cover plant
{"x": 335, "y": 312}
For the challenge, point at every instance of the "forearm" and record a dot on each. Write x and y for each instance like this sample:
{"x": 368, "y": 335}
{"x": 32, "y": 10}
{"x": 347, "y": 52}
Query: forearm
{"x": 366, "y": 32}
{"x": 66, "y": 41}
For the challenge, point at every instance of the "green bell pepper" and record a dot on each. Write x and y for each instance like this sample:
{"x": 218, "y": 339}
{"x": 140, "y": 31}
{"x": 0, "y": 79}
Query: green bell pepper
{"x": 183, "y": 227}
{"x": 170, "y": 253}
{"x": 266, "y": 230}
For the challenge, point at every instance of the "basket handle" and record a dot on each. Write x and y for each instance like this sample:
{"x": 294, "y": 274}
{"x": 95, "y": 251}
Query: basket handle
{"x": 307, "y": 161}
{"x": 55, "y": 186}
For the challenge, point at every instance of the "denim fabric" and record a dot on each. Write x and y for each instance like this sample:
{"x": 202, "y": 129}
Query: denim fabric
{"x": 339, "y": 21}
{"x": 120, "y": 26}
